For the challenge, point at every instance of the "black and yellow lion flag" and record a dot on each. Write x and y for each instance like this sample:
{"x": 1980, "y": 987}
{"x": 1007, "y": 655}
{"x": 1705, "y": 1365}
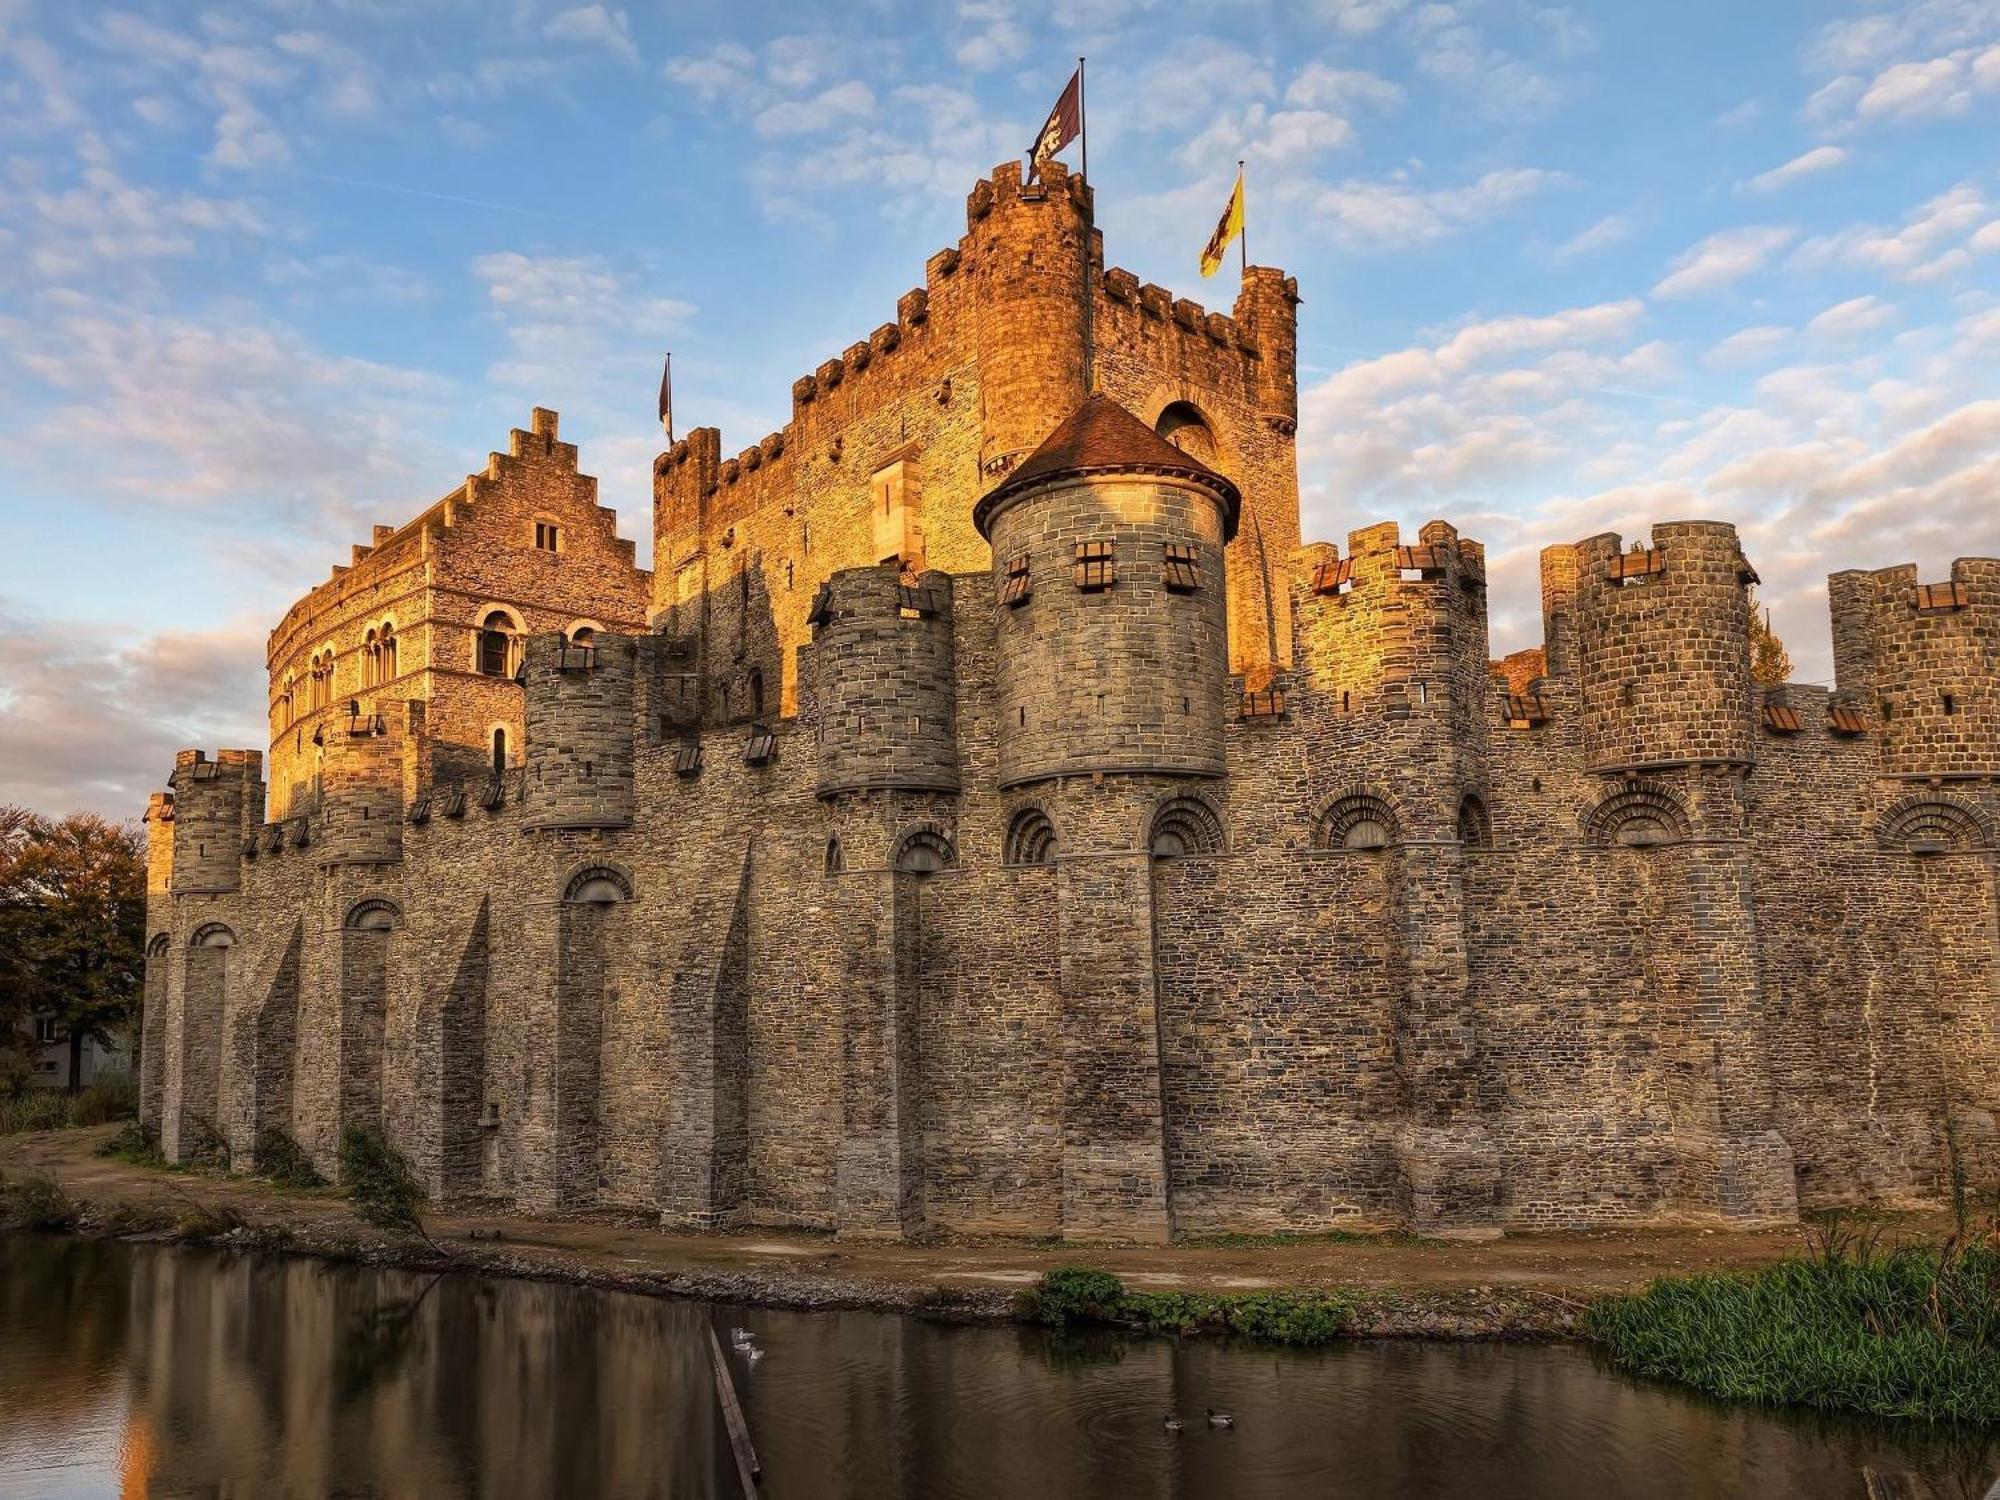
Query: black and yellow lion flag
{"x": 1227, "y": 229}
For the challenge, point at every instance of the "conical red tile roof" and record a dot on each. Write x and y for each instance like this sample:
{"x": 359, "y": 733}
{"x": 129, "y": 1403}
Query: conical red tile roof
{"x": 1102, "y": 437}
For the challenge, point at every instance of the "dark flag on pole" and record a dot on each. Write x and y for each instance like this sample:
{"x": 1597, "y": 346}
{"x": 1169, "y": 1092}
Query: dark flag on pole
{"x": 1065, "y": 123}
{"x": 667, "y": 398}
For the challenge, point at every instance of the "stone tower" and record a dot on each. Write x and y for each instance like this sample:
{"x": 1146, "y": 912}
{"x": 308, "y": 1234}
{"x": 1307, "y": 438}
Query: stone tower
{"x": 1110, "y": 685}
{"x": 1921, "y": 658}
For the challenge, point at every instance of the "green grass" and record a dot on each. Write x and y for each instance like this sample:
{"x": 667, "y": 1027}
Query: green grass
{"x": 1072, "y": 1295}
{"x": 52, "y": 1109}
{"x": 1911, "y": 1331}
{"x": 36, "y": 1201}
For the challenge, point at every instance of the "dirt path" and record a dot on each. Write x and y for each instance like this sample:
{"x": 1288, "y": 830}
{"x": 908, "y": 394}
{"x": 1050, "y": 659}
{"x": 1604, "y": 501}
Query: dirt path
{"x": 973, "y": 1278}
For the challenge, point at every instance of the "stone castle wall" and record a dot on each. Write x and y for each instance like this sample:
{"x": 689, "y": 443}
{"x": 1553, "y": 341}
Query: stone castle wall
{"x": 865, "y": 891}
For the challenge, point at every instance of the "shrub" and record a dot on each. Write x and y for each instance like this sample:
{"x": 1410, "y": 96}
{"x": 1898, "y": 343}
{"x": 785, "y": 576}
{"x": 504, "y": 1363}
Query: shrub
{"x": 136, "y": 1143}
{"x": 284, "y": 1161}
{"x": 205, "y": 1149}
{"x": 36, "y": 1201}
{"x": 1912, "y": 1331}
{"x": 1077, "y": 1294}
{"x": 381, "y": 1183}
{"x": 102, "y": 1103}
{"x": 38, "y": 1109}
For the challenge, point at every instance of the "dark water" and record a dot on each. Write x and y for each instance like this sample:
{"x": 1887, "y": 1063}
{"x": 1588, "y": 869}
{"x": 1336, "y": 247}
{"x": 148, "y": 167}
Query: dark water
{"x": 132, "y": 1371}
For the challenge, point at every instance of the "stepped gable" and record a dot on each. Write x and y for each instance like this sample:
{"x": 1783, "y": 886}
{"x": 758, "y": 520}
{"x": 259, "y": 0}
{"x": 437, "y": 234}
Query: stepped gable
{"x": 1102, "y": 437}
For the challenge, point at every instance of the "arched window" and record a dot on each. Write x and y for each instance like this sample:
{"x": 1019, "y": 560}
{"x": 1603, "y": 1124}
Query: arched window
{"x": 1475, "y": 824}
{"x": 836, "y": 861}
{"x": 387, "y": 648}
{"x": 1184, "y": 825}
{"x": 1639, "y": 816}
{"x": 597, "y": 885}
{"x": 374, "y": 915}
{"x": 1031, "y": 838}
{"x": 212, "y": 935}
{"x": 583, "y": 635}
{"x": 922, "y": 851}
{"x": 499, "y": 751}
{"x": 756, "y": 693}
{"x": 371, "y": 660}
{"x": 1931, "y": 824}
{"x": 1183, "y": 425}
{"x": 496, "y": 645}
{"x": 1357, "y": 822}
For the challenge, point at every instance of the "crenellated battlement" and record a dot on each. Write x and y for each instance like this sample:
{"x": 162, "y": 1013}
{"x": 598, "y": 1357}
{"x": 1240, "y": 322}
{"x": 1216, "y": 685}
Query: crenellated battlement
{"x": 1110, "y": 826}
{"x": 1918, "y": 661}
{"x": 1662, "y": 647}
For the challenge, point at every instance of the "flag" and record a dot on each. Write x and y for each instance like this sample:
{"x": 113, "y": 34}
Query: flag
{"x": 667, "y": 398}
{"x": 1230, "y": 226}
{"x": 1065, "y": 123}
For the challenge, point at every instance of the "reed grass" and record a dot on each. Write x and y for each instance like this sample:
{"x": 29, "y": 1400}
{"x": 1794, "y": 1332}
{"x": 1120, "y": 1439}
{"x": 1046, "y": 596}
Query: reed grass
{"x": 1909, "y": 1330}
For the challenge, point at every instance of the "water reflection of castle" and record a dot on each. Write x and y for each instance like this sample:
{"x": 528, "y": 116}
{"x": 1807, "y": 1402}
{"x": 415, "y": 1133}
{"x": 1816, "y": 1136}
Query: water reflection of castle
{"x": 248, "y": 1377}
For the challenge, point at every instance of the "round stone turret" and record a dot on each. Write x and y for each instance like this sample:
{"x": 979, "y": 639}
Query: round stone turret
{"x": 361, "y": 788}
{"x": 1112, "y": 643}
{"x": 882, "y": 653}
{"x": 1920, "y": 659}
{"x": 1662, "y": 640}
{"x": 579, "y": 732}
{"x": 210, "y": 819}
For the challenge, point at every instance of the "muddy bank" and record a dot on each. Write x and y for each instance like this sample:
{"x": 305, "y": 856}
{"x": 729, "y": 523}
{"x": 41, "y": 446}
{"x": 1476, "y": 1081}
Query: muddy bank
{"x": 1518, "y": 1286}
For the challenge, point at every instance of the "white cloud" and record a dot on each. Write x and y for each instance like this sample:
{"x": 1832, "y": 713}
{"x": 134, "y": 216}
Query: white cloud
{"x": 1749, "y": 345}
{"x": 723, "y": 72}
{"x": 1917, "y": 91}
{"x": 1741, "y": 115}
{"x": 234, "y": 411}
{"x": 1857, "y": 315}
{"x": 1723, "y": 259}
{"x": 843, "y": 103}
{"x": 1453, "y": 51}
{"x": 1921, "y": 249}
{"x": 1806, "y": 164}
{"x": 594, "y": 26}
{"x": 1612, "y": 229}
{"x": 1317, "y": 86}
{"x": 994, "y": 36}
{"x": 1356, "y": 18}
{"x": 1399, "y": 213}
{"x": 96, "y": 709}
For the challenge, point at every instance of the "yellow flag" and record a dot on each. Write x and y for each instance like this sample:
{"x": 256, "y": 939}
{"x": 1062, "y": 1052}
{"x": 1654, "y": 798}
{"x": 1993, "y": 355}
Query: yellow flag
{"x": 1226, "y": 230}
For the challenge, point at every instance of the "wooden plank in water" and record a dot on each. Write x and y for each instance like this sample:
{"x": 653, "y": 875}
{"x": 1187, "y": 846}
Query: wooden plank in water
{"x": 747, "y": 1468}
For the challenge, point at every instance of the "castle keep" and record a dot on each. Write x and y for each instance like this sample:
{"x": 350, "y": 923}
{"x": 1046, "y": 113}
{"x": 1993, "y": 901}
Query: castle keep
{"x": 988, "y": 816}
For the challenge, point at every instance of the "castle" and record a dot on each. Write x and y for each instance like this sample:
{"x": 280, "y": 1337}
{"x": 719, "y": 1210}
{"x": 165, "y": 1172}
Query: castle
{"x": 988, "y": 817}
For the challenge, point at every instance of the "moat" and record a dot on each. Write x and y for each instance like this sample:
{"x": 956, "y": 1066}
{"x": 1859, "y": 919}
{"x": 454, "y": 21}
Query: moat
{"x": 139, "y": 1370}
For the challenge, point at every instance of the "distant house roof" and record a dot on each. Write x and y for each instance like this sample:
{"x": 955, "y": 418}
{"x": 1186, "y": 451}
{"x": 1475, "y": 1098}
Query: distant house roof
{"x": 1102, "y": 437}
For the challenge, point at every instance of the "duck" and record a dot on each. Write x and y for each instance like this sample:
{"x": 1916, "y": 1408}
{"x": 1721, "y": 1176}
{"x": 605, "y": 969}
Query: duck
{"x": 742, "y": 1338}
{"x": 1171, "y": 1423}
{"x": 1220, "y": 1418}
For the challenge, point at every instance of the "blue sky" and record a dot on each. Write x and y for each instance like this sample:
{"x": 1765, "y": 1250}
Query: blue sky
{"x": 272, "y": 271}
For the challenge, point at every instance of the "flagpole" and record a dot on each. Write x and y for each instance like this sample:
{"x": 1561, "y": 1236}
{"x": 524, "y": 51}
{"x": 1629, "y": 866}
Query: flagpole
{"x": 1082, "y": 123}
{"x": 1089, "y": 225}
{"x": 1243, "y": 233}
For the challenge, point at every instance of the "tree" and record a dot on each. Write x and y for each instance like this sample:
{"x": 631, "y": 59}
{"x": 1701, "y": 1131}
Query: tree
{"x": 72, "y": 926}
{"x": 1770, "y": 662}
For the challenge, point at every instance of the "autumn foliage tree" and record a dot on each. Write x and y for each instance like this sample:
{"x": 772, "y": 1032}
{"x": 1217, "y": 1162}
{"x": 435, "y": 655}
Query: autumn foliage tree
{"x": 1770, "y": 662}
{"x": 72, "y": 927}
